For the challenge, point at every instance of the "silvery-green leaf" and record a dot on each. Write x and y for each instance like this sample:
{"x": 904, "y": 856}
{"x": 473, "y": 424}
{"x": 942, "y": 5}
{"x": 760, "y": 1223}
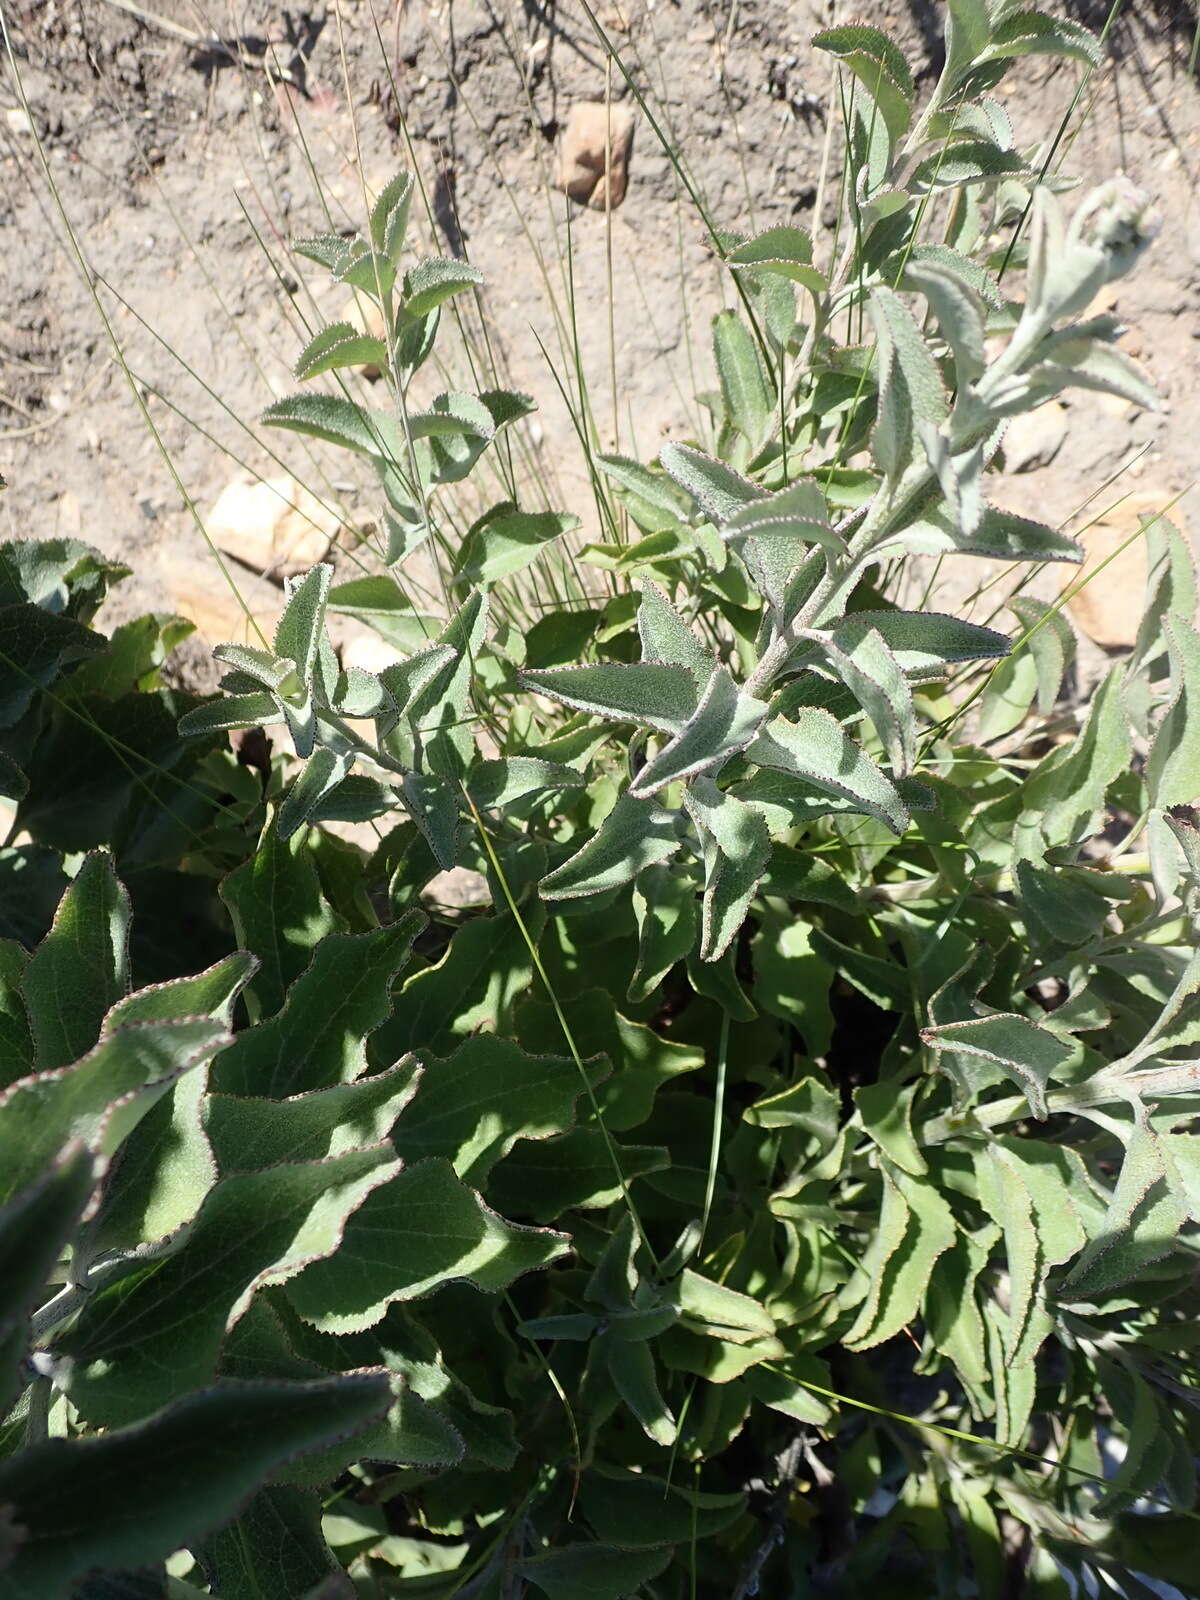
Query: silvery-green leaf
{"x": 723, "y": 724}
{"x": 869, "y": 669}
{"x": 785, "y": 251}
{"x": 1024, "y": 33}
{"x": 749, "y": 401}
{"x": 1091, "y": 364}
{"x": 389, "y": 216}
{"x": 717, "y": 489}
{"x": 1037, "y": 666}
{"x": 968, "y": 33}
{"x": 667, "y": 639}
{"x": 340, "y": 344}
{"x": 959, "y": 313}
{"x": 474, "y": 1105}
{"x": 737, "y": 847}
{"x": 101, "y": 1098}
{"x": 1028, "y": 1054}
{"x": 925, "y": 641}
{"x": 256, "y": 710}
{"x": 654, "y": 502}
{"x": 431, "y": 282}
{"x": 367, "y": 270}
{"x": 652, "y": 693}
{"x": 1173, "y": 765}
{"x": 636, "y": 834}
{"x": 815, "y": 747}
{"x": 81, "y": 967}
{"x": 300, "y": 627}
{"x": 322, "y": 772}
{"x": 632, "y": 1369}
{"x": 1145, "y": 1215}
{"x": 433, "y": 804}
{"x": 793, "y": 517}
{"x": 249, "y": 665}
{"x": 510, "y": 778}
{"x": 1000, "y": 536}
{"x": 879, "y": 65}
{"x": 437, "y": 712}
{"x": 327, "y": 249}
{"x": 910, "y": 386}
{"x": 966, "y": 161}
{"x": 188, "y": 1469}
{"x": 339, "y": 421}
{"x": 1170, "y": 586}
{"x": 1066, "y": 790}
{"x": 508, "y": 543}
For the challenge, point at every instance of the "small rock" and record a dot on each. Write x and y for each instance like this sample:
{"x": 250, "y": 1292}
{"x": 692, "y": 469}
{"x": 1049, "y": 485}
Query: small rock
{"x": 1109, "y": 608}
{"x": 1033, "y": 440}
{"x": 583, "y": 166}
{"x": 277, "y": 527}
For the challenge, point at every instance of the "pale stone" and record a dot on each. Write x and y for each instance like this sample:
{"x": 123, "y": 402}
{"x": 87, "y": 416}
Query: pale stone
{"x": 1109, "y": 608}
{"x": 1033, "y": 440}
{"x": 276, "y": 526}
{"x": 583, "y": 170}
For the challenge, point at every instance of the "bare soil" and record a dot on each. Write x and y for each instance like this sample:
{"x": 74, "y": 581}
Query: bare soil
{"x": 189, "y": 142}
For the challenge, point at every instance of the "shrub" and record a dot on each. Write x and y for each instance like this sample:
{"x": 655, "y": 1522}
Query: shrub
{"x": 779, "y": 1181}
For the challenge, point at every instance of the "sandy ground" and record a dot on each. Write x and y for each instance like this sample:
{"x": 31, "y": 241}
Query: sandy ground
{"x": 190, "y": 142}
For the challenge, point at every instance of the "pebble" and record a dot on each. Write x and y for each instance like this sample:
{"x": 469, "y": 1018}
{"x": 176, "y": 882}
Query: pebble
{"x": 583, "y": 154}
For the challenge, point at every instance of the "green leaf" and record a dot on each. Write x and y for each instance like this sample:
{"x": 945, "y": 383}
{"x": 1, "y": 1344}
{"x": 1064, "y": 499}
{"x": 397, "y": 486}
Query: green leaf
{"x": 148, "y": 1336}
{"x": 872, "y": 673}
{"x": 423, "y": 1229}
{"x": 650, "y": 693}
{"x": 389, "y": 216}
{"x": 926, "y": 641}
{"x": 664, "y": 903}
{"x": 101, "y": 1098}
{"x": 341, "y": 344}
{"x": 495, "y": 784}
{"x": 542, "y": 1179}
{"x": 275, "y": 1547}
{"x": 338, "y": 421}
{"x": 631, "y": 1367}
{"x": 716, "y": 488}
{"x": 433, "y": 804}
{"x": 35, "y": 1225}
{"x": 249, "y": 1134}
{"x": 80, "y": 968}
{"x": 916, "y": 1226}
{"x": 1142, "y": 1223}
{"x": 667, "y": 639}
{"x": 1174, "y": 760}
{"x": 321, "y": 773}
{"x": 1028, "y": 1054}
{"x": 593, "y": 1571}
{"x": 35, "y": 645}
{"x": 880, "y": 66}
{"x": 815, "y": 747}
{"x": 431, "y": 282}
{"x": 886, "y": 1110}
{"x": 786, "y": 522}
{"x": 1024, "y": 33}
{"x": 318, "y": 1038}
{"x": 736, "y": 848}
{"x": 187, "y": 1470}
{"x": 502, "y": 545}
{"x": 275, "y": 902}
{"x": 475, "y": 1105}
{"x": 911, "y": 395}
{"x": 637, "y": 1511}
{"x": 636, "y": 834}
{"x": 784, "y": 250}
{"x": 382, "y": 604}
{"x": 255, "y": 710}
{"x": 723, "y": 724}
{"x": 748, "y": 397}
